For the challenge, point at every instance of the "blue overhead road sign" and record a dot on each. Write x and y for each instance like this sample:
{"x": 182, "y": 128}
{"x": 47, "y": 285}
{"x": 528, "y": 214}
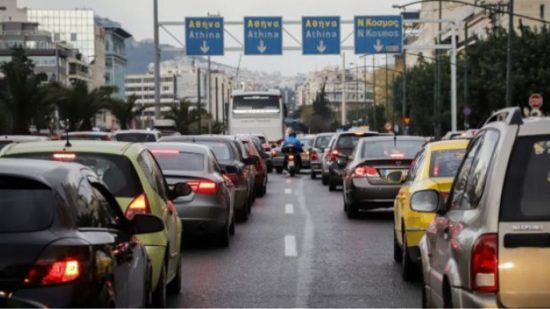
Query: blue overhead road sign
{"x": 378, "y": 34}
{"x": 263, "y": 35}
{"x": 204, "y": 36}
{"x": 321, "y": 35}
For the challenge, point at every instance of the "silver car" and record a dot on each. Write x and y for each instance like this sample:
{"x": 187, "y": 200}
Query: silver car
{"x": 136, "y": 136}
{"x": 210, "y": 208}
{"x": 320, "y": 142}
{"x": 489, "y": 244}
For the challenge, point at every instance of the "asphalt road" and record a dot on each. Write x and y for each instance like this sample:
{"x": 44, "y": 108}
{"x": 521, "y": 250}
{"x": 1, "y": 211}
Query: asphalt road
{"x": 298, "y": 249}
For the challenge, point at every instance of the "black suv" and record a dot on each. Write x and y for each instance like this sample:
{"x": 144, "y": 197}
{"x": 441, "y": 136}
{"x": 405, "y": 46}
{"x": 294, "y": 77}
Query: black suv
{"x": 340, "y": 152}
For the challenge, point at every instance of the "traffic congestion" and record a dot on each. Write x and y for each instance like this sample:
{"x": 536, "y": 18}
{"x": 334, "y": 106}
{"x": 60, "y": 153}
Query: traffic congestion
{"x": 274, "y": 154}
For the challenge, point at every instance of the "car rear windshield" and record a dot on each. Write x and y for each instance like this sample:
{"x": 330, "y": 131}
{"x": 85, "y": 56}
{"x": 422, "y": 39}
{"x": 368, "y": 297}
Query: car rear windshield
{"x": 262, "y": 139}
{"x": 391, "y": 149}
{"x": 307, "y": 142}
{"x": 221, "y": 150}
{"x": 526, "y": 189}
{"x": 86, "y": 137}
{"x": 115, "y": 171}
{"x": 349, "y": 141}
{"x": 25, "y": 205}
{"x": 256, "y": 102}
{"x": 180, "y": 161}
{"x": 135, "y": 137}
{"x": 322, "y": 141}
{"x": 445, "y": 163}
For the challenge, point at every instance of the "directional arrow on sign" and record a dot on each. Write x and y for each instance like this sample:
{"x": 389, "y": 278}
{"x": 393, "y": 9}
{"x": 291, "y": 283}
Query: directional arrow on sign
{"x": 262, "y": 47}
{"x": 378, "y": 46}
{"x": 321, "y": 47}
{"x": 205, "y": 48}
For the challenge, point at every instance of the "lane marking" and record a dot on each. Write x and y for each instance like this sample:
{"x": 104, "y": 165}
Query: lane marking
{"x": 305, "y": 262}
{"x": 289, "y": 209}
{"x": 290, "y": 246}
{"x": 288, "y": 191}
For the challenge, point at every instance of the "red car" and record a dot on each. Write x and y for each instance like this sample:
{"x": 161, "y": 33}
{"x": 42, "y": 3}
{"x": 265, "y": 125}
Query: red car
{"x": 255, "y": 150}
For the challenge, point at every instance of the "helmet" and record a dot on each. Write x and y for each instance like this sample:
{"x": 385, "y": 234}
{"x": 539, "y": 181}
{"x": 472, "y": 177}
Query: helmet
{"x": 291, "y": 133}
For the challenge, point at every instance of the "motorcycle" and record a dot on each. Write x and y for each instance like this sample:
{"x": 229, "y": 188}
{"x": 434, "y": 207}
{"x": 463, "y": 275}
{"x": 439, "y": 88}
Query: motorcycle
{"x": 292, "y": 160}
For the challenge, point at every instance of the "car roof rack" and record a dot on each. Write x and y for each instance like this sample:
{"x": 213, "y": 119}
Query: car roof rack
{"x": 510, "y": 115}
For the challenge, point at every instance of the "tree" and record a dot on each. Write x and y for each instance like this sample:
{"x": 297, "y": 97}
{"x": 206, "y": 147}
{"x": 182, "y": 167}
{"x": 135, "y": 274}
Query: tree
{"x": 81, "y": 105}
{"x": 125, "y": 111}
{"x": 322, "y": 116}
{"x": 24, "y": 96}
{"x": 187, "y": 117}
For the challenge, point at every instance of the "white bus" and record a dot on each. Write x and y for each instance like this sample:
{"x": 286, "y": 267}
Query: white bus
{"x": 259, "y": 112}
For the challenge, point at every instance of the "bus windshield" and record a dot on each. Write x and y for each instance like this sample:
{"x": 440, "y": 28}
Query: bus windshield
{"x": 256, "y": 103}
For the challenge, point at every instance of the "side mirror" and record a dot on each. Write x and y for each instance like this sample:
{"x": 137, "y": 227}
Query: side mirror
{"x": 146, "y": 224}
{"x": 231, "y": 169}
{"x": 395, "y": 177}
{"x": 426, "y": 201}
{"x": 180, "y": 189}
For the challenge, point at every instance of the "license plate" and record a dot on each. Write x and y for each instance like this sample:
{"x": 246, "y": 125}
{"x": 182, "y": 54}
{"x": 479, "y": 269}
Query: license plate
{"x": 385, "y": 172}
{"x": 290, "y": 163}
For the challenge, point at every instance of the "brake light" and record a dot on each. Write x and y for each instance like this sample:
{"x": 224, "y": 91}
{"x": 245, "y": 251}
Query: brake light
{"x": 291, "y": 157}
{"x": 313, "y": 156}
{"x": 484, "y": 269}
{"x": 205, "y": 186}
{"x": 165, "y": 152}
{"x": 397, "y": 156}
{"x": 140, "y": 205}
{"x": 334, "y": 155}
{"x": 274, "y": 153}
{"x": 234, "y": 178}
{"x": 64, "y": 156}
{"x": 365, "y": 171}
{"x": 436, "y": 169}
{"x": 46, "y": 272}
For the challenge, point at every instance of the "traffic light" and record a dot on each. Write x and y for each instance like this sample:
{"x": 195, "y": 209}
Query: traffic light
{"x": 407, "y": 120}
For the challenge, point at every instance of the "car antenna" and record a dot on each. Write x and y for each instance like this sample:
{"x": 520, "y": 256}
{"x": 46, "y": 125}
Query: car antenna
{"x": 68, "y": 143}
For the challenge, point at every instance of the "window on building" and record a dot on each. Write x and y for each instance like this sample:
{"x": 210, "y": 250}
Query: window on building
{"x": 57, "y": 36}
{"x": 542, "y": 11}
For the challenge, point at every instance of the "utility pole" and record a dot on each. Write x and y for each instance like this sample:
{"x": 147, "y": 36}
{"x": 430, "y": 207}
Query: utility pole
{"x": 209, "y": 97}
{"x": 404, "y": 99}
{"x": 365, "y": 91}
{"x": 466, "y": 89}
{"x": 344, "y": 89}
{"x": 509, "y": 86}
{"x": 217, "y": 100}
{"x": 374, "y": 91}
{"x": 157, "y": 58}
{"x": 199, "y": 97}
{"x": 387, "y": 91}
{"x": 438, "y": 84}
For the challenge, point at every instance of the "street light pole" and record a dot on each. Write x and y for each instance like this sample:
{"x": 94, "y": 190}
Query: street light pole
{"x": 509, "y": 85}
{"x": 157, "y": 59}
{"x": 344, "y": 89}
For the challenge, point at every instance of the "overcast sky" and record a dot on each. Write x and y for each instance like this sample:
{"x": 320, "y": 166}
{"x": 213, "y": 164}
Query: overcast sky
{"x": 136, "y": 16}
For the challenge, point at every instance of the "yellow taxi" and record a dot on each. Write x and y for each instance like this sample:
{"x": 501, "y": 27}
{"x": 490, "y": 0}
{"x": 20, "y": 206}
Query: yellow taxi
{"x": 434, "y": 168}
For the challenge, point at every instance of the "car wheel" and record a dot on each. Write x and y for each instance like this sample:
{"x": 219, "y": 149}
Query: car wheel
{"x": 397, "y": 254}
{"x": 424, "y": 298}
{"x": 407, "y": 266}
{"x": 279, "y": 170}
{"x": 313, "y": 175}
{"x": 270, "y": 168}
{"x": 174, "y": 287}
{"x": 223, "y": 236}
{"x": 352, "y": 212}
{"x": 331, "y": 184}
{"x": 232, "y": 226}
{"x": 159, "y": 295}
{"x": 324, "y": 180}
{"x": 261, "y": 191}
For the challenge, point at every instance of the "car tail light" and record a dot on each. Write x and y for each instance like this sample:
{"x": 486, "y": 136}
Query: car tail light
{"x": 365, "y": 171}
{"x": 64, "y": 156}
{"x": 234, "y": 178}
{"x": 435, "y": 171}
{"x": 291, "y": 157}
{"x": 274, "y": 153}
{"x": 484, "y": 270}
{"x": 48, "y": 271}
{"x": 334, "y": 155}
{"x": 166, "y": 152}
{"x": 313, "y": 155}
{"x": 204, "y": 186}
{"x": 397, "y": 156}
{"x": 140, "y": 205}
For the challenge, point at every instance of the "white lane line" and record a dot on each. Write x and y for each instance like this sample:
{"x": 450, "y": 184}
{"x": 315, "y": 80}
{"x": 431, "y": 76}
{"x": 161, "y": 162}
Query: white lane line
{"x": 289, "y": 209}
{"x": 288, "y": 191}
{"x": 290, "y": 246}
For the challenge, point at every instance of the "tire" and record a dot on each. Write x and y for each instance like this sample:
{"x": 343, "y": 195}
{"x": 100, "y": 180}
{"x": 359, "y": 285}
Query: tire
{"x": 174, "y": 287}
{"x": 331, "y": 184}
{"x": 292, "y": 172}
{"x": 242, "y": 214}
{"x": 407, "y": 265}
{"x": 279, "y": 170}
{"x": 424, "y": 298}
{"x": 232, "y": 226}
{"x": 397, "y": 254}
{"x": 447, "y": 296}
{"x": 159, "y": 294}
{"x": 223, "y": 236}
{"x": 313, "y": 175}
{"x": 324, "y": 180}
{"x": 270, "y": 168}
{"x": 261, "y": 191}
{"x": 352, "y": 211}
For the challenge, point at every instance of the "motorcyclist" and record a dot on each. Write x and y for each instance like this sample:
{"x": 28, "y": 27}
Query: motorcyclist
{"x": 292, "y": 140}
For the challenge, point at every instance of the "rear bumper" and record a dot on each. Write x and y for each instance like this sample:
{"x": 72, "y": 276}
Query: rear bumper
{"x": 466, "y": 299}
{"x": 367, "y": 196}
{"x": 278, "y": 162}
{"x": 316, "y": 166}
{"x": 66, "y": 295}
